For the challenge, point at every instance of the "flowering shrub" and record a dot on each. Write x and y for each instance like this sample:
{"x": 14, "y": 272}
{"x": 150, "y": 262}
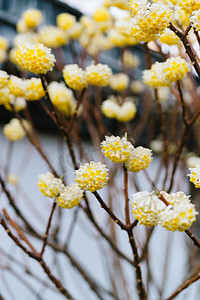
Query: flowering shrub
{"x": 140, "y": 114}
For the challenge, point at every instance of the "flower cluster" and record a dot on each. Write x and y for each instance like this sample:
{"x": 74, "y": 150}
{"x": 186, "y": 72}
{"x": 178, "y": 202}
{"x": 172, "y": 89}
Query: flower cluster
{"x": 166, "y": 73}
{"x": 139, "y": 159}
{"x": 149, "y": 210}
{"x": 123, "y": 113}
{"x": 146, "y": 208}
{"x": 32, "y": 18}
{"x": 195, "y": 19}
{"x": 119, "y": 82}
{"x": 14, "y": 131}
{"x": 33, "y": 89}
{"x": 65, "y": 21}
{"x": 75, "y": 77}
{"x": 119, "y": 150}
{"x": 3, "y": 48}
{"x": 149, "y": 20}
{"x": 4, "y": 78}
{"x": 62, "y": 97}
{"x": 65, "y": 196}
{"x": 92, "y": 176}
{"x": 122, "y": 4}
{"x": 70, "y": 196}
{"x": 35, "y": 58}
{"x": 195, "y": 175}
{"x": 116, "y": 149}
{"x": 98, "y": 75}
{"x": 52, "y": 36}
{"x": 189, "y": 6}
{"x": 16, "y": 86}
{"x": 169, "y": 37}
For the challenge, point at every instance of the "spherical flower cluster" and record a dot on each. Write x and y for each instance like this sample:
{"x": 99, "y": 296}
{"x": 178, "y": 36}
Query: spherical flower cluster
{"x": 101, "y": 14}
{"x": 120, "y": 40}
{"x": 119, "y": 82}
{"x": 137, "y": 5}
{"x": 16, "y": 86}
{"x": 49, "y": 185}
{"x": 52, "y": 36}
{"x": 150, "y": 21}
{"x": 75, "y": 77}
{"x": 189, "y": 5}
{"x": 65, "y": 21}
{"x": 4, "y": 78}
{"x": 169, "y": 37}
{"x": 70, "y": 196}
{"x": 35, "y": 58}
{"x": 3, "y": 43}
{"x": 110, "y": 108}
{"x": 130, "y": 60}
{"x": 137, "y": 87}
{"x": 122, "y": 4}
{"x": 195, "y": 176}
{"x": 33, "y": 89}
{"x": 192, "y": 161}
{"x": 149, "y": 210}
{"x": 98, "y": 75}
{"x": 92, "y": 176}
{"x": 62, "y": 97}
{"x": 181, "y": 17}
{"x": 195, "y": 19}
{"x": 139, "y": 159}
{"x": 127, "y": 111}
{"x": 146, "y": 208}
{"x": 116, "y": 149}
{"x": 19, "y": 103}
{"x": 3, "y": 56}
{"x": 5, "y": 96}
{"x": 178, "y": 217}
{"x": 165, "y": 74}
{"x": 32, "y": 18}
{"x": 14, "y": 130}
{"x": 74, "y": 31}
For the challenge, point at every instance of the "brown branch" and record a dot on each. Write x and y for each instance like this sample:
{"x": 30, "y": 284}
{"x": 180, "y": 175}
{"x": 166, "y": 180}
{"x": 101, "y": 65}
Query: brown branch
{"x": 47, "y": 228}
{"x": 127, "y": 214}
{"x": 184, "y": 286}
{"x": 183, "y": 37}
{"x": 21, "y": 234}
{"x": 46, "y": 269}
{"x": 109, "y": 211}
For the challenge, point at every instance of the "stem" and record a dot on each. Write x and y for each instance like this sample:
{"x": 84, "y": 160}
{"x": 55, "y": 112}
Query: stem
{"x": 127, "y": 215}
{"x": 47, "y": 229}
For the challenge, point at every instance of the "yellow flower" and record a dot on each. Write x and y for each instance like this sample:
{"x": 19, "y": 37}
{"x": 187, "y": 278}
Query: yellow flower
{"x": 65, "y": 21}
{"x": 178, "y": 217}
{"x": 70, "y": 196}
{"x": 49, "y": 185}
{"x": 33, "y": 89}
{"x": 130, "y": 60}
{"x": 195, "y": 19}
{"x": 101, "y": 14}
{"x": 16, "y": 86}
{"x": 3, "y": 43}
{"x": 147, "y": 207}
{"x": 110, "y": 108}
{"x": 74, "y": 32}
{"x": 75, "y": 77}
{"x": 169, "y": 37}
{"x": 151, "y": 21}
{"x": 189, "y": 5}
{"x": 126, "y": 112}
{"x": 165, "y": 74}
{"x": 3, "y": 56}
{"x": 62, "y": 97}
{"x": 35, "y": 58}
{"x": 5, "y": 96}
{"x": 116, "y": 149}
{"x": 122, "y": 4}
{"x": 139, "y": 159}
{"x": 92, "y": 176}
{"x": 22, "y": 27}
{"x": 52, "y": 36}
{"x": 4, "y": 78}
{"x": 195, "y": 176}
{"x": 119, "y": 82}
{"x": 18, "y": 103}
{"x": 137, "y": 87}
{"x": 32, "y": 18}
{"x": 14, "y": 130}
{"x": 98, "y": 75}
